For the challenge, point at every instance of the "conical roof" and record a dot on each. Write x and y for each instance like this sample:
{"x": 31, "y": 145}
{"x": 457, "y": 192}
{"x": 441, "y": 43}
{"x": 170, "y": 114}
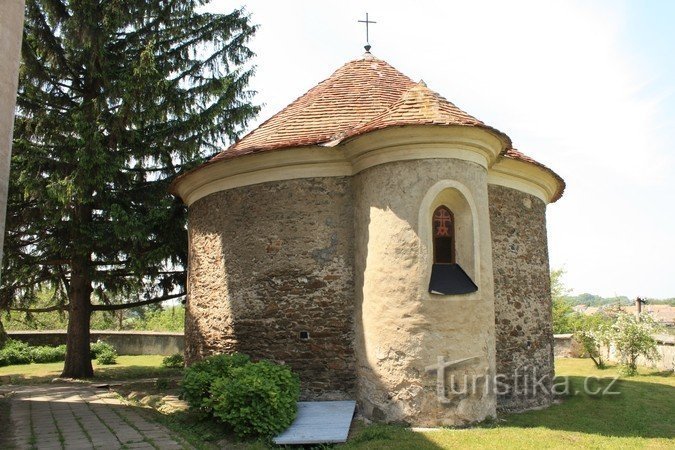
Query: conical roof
{"x": 419, "y": 105}
{"x": 363, "y": 95}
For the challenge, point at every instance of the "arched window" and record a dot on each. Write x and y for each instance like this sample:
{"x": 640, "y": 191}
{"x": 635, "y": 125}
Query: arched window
{"x": 447, "y": 277}
{"x": 444, "y": 236}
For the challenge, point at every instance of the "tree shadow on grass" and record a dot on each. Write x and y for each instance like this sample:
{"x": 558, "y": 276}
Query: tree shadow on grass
{"x": 112, "y": 372}
{"x": 621, "y": 408}
{"x": 24, "y": 375}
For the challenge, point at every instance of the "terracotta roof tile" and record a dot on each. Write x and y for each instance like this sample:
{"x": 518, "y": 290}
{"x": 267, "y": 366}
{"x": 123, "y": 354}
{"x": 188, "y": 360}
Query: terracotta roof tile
{"x": 363, "y": 95}
{"x": 351, "y": 96}
{"x": 419, "y": 105}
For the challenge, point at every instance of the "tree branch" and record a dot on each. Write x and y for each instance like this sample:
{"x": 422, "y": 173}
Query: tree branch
{"x": 41, "y": 310}
{"x": 134, "y": 304}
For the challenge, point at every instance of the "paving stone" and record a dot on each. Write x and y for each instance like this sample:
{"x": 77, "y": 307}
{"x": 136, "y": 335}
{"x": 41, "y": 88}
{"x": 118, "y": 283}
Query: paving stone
{"x": 83, "y": 418}
{"x": 140, "y": 445}
{"x": 47, "y": 435}
{"x": 76, "y": 438}
{"x": 86, "y": 446}
{"x": 168, "y": 445}
{"x": 77, "y": 443}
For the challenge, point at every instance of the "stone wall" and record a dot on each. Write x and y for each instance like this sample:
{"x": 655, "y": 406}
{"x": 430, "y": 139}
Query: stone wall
{"x": 125, "y": 342}
{"x": 563, "y": 345}
{"x": 524, "y": 335}
{"x": 268, "y": 262}
{"x": 566, "y": 347}
{"x": 400, "y": 328}
{"x": 665, "y": 349}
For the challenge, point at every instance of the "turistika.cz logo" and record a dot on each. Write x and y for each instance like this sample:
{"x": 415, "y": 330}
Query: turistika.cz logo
{"x": 524, "y": 382}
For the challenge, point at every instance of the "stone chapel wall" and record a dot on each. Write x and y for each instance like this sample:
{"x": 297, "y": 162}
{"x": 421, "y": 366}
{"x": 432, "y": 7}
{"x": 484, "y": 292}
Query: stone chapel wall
{"x": 400, "y": 329}
{"x": 268, "y": 261}
{"x": 524, "y": 338}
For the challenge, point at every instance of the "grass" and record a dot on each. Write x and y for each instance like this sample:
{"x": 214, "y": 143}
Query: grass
{"x": 127, "y": 368}
{"x": 641, "y": 416}
{"x": 203, "y": 434}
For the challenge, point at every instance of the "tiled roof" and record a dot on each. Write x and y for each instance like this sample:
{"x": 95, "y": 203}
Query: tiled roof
{"x": 354, "y": 94}
{"x": 664, "y": 314}
{"x": 512, "y": 153}
{"x": 364, "y": 95}
{"x": 419, "y": 105}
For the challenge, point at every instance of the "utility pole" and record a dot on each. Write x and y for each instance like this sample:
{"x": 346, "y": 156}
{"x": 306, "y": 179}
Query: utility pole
{"x": 638, "y": 306}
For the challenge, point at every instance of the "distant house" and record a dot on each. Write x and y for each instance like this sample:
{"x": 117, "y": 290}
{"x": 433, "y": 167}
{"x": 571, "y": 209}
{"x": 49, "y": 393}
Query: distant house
{"x": 663, "y": 314}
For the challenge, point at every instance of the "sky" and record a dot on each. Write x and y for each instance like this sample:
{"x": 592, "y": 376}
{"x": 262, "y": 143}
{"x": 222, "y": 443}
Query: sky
{"x": 587, "y": 88}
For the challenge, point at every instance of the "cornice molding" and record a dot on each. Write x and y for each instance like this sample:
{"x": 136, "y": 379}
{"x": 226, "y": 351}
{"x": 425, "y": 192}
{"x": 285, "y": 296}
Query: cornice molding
{"x": 355, "y": 155}
{"x": 525, "y": 177}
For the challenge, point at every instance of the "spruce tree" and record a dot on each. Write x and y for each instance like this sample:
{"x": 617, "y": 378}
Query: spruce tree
{"x": 115, "y": 98}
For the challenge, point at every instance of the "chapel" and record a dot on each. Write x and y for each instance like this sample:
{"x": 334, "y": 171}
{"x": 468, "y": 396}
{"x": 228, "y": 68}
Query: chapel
{"x": 386, "y": 245}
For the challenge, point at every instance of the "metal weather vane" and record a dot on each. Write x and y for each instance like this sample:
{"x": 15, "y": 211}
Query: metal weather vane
{"x": 367, "y": 22}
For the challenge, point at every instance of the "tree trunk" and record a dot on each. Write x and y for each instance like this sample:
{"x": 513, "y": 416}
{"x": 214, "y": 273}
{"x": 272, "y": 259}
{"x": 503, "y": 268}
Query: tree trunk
{"x": 3, "y": 335}
{"x": 78, "y": 361}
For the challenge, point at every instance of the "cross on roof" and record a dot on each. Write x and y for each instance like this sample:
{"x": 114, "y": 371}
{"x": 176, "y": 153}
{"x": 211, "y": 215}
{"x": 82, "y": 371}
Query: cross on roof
{"x": 367, "y": 46}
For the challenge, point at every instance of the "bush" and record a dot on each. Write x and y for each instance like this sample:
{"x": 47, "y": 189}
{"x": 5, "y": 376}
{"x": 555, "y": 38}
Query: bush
{"x": 256, "y": 399}
{"x": 99, "y": 347}
{"x": 174, "y": 361}
{"x": 107, "y": 357}
{"x": 162, "y": 384}
{"x": 633, "y": 338}
{"x": 15, "y": 352}
{"x": 169, "y": 319}
{"x": 594, "y": 333}
{"x": 199, "y": 377}
{"x": 45, "y": 354}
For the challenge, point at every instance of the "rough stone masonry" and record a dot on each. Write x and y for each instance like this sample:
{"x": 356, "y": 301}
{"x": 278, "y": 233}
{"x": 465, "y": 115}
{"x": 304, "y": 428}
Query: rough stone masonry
{"x": 284, "y": 252}
{"x": 523, "y": 319}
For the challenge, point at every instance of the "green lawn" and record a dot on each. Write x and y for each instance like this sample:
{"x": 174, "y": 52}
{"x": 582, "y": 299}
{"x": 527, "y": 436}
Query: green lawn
{"x": 127, "y": 367}
{"x": 641, "y": 416}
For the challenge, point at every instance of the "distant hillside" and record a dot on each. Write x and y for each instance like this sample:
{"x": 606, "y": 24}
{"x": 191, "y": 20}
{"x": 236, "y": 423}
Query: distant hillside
{"x": 596, "y": 300}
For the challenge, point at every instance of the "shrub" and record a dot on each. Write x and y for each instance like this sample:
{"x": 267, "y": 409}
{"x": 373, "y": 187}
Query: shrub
{"x": 169, "y": 319}
{"x": 98, "y": 347}
{"x": 633, "y": 338}
{"x": 174, "y": 361}
{"x": 199, "y": 377}
{"x": 107, "y": 357}
{"x": 45, "y": 354}
{"x": 593, "y": 333}
{"x": 256, "y": 399}
{"x": 15, "y": 352}
{"x": 162, "y": 384}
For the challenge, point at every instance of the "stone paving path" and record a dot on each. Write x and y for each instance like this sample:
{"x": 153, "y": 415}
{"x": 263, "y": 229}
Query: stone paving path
{"x": 81, "y": 417}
